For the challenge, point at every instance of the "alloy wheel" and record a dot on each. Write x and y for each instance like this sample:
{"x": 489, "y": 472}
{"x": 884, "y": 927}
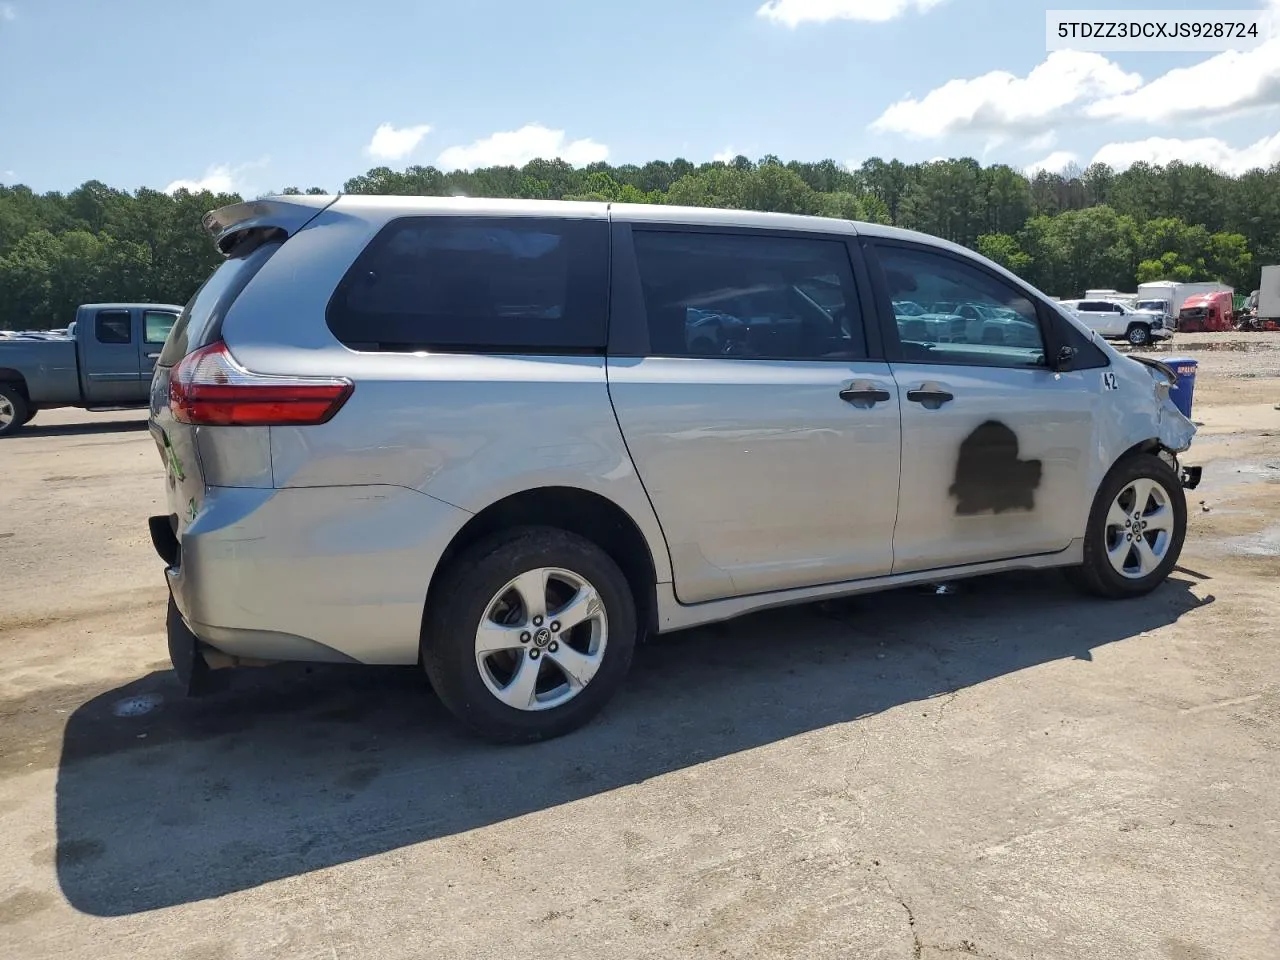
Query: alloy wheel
{"x": 1139, "y": 528}
{"x": 541, "y": 639}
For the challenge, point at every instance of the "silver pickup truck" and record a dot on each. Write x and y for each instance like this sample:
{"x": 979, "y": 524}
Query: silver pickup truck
{"x": 102, "y": 361}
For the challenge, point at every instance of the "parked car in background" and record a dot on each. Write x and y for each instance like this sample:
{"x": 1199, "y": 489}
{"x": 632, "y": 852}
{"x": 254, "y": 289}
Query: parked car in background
{"x": 472, "y": 434}
{"x": 1207, "y": 313}
{"x": 1117, "y": 321}
{"x": 104, "y": 360}
{"x": 1160, "y": 308}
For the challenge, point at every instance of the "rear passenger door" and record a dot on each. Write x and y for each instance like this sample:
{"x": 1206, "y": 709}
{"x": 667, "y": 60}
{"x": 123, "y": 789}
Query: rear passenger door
{"x": 109, "y": 359}
{"x": 765, "y": 434}
{"x": 997, "y": 447}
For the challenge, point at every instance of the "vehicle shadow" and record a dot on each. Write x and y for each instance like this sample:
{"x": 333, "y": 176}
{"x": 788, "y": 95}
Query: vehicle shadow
{"x": 295, "y": 769}
{"x": 36, "y": 429}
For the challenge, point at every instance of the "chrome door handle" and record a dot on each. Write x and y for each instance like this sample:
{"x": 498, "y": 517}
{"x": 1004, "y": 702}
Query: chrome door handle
{"x": 864, "y": 393}
{"x": 931, "y": 395}
{"x": 153, "y": 356}
{"x": 874, "y": 395}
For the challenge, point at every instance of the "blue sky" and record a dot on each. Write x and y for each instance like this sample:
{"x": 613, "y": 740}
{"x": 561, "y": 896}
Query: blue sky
{"x": 260, "y": 95}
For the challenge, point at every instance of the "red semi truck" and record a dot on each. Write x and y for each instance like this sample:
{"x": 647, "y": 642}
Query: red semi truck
{"x": 1206, "y": 313}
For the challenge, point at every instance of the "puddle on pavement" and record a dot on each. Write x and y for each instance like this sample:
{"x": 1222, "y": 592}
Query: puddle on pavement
{"x": 138, "y": 706}
{"x": 1219, "y": 474}
{"x": 1264, "y": 543}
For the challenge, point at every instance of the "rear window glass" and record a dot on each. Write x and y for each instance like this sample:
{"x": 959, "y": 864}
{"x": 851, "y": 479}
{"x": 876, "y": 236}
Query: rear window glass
{"x": 201, "y": 319}
{"x": 113, "y": 326}
{"x": 477, "y": 284}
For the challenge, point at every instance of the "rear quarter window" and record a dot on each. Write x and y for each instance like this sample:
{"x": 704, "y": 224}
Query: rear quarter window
{"x": 477, "y": 284}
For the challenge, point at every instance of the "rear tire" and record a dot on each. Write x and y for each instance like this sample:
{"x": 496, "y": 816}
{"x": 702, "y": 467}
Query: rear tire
{"x": 14, "y": 410}
{"x": 1139, "y": 335}
{"x": 505, "y": 666}
{"x": 1141, "y": 501}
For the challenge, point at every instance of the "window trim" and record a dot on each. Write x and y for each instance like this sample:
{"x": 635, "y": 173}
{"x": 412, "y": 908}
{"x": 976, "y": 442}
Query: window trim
{"x": 628, "y": 316}
{"x": 381, "y": 237}
{"x": 1045, "y": 319}
{"x": 97, "y": 327}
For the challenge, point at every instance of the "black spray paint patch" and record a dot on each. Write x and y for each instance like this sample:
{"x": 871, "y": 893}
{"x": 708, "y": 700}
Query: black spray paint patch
{"x": 989, "y": 475}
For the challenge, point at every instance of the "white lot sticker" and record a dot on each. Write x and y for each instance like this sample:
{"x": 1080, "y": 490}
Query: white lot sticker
{"x": 1109, "y": 382}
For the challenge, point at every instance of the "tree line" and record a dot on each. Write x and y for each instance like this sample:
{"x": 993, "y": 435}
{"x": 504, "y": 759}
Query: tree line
{"x": 1063, "y": 232}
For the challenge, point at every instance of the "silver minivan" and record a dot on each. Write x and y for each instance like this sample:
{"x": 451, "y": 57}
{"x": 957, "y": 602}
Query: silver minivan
{"x": 508, "y": 439}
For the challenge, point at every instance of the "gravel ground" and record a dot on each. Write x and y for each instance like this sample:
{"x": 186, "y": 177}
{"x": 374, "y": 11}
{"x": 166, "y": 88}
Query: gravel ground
{"x": 1010, "y": 771}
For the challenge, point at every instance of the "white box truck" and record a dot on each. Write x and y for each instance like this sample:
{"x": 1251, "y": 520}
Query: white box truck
{"x": 1269, "y": 294}
{"x": 1169, "y": 296}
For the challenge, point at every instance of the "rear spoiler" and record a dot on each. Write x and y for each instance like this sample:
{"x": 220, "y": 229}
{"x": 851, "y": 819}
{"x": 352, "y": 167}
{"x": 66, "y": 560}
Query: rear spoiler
{"x": 284, "y": 215}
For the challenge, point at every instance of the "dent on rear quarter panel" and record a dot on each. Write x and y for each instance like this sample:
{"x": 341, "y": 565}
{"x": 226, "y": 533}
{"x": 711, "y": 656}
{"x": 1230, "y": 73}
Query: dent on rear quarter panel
{"x": 471, "y": 430}
{"x": 235, "y": 456}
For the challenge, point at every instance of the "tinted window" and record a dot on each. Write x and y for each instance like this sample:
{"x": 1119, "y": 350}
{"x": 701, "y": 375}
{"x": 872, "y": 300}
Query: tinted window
{"x": 113, "y": 326}
{"x": 1001, "y": 330}
{"x": 748, "y": 296}
{"x": 156, "y": 325}
{"x": 1090, "y": 306}
{"x": 485, "y": 284}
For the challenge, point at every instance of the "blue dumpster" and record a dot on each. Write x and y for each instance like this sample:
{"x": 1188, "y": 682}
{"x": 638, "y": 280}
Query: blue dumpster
{"x": 1184, "y": 390}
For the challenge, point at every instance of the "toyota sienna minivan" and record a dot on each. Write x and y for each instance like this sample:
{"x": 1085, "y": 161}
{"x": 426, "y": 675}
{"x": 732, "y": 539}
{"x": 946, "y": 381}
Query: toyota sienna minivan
{"x": 507, "y": 439}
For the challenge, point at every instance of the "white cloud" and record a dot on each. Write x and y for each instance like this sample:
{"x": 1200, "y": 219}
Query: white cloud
{"x": 392, "y": 143}
{"x": 8, "y": 11}
{"x": 792, "y": 13}
{"x": 1042, "y": 142}
{"x": 220, "y": 178}
{"x": 1207, "y": 150}
{"x": 1225, "y": 84}
{"x": 1002, "y": 104}
{"x": 517, "y": 147}
{"x": 1055, "y": 162}
{"x": 726, "y": 155}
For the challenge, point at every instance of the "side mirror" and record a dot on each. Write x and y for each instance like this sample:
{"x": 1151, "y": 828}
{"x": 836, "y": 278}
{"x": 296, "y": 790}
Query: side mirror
{"x": 1066, "y": 354}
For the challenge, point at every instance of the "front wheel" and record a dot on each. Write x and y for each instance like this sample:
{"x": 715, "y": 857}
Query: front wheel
{"x": 529, "y": 634}
{"x": 1136, "y": 529}
{"x": 1139, "y": 335}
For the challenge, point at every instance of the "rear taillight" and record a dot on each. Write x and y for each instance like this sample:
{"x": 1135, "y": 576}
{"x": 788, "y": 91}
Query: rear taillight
{"x": 210, "y": 388}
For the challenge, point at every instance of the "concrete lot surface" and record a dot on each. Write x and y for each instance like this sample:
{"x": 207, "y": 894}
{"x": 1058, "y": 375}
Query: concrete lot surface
{"x": 1012, "y": 771}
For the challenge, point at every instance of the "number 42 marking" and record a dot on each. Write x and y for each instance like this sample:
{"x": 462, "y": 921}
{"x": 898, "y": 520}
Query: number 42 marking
{"x": 1109, "y": 382}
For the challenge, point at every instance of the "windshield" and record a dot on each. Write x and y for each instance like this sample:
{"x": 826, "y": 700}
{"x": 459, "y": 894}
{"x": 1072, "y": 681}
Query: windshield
{"x": 1151, "y": 305}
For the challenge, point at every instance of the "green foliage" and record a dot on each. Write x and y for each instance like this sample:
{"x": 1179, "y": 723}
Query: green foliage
{"x": 1062, "y": 232}
{"x": 1004, "y": 250}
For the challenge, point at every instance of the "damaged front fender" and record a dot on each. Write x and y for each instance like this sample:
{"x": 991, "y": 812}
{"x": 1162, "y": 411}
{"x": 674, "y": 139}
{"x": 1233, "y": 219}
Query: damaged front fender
{"x": 1174, "y": 431}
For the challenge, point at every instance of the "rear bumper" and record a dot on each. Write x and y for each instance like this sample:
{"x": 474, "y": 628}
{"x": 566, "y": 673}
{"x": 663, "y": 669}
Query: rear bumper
{"x": 334, "y": 574}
